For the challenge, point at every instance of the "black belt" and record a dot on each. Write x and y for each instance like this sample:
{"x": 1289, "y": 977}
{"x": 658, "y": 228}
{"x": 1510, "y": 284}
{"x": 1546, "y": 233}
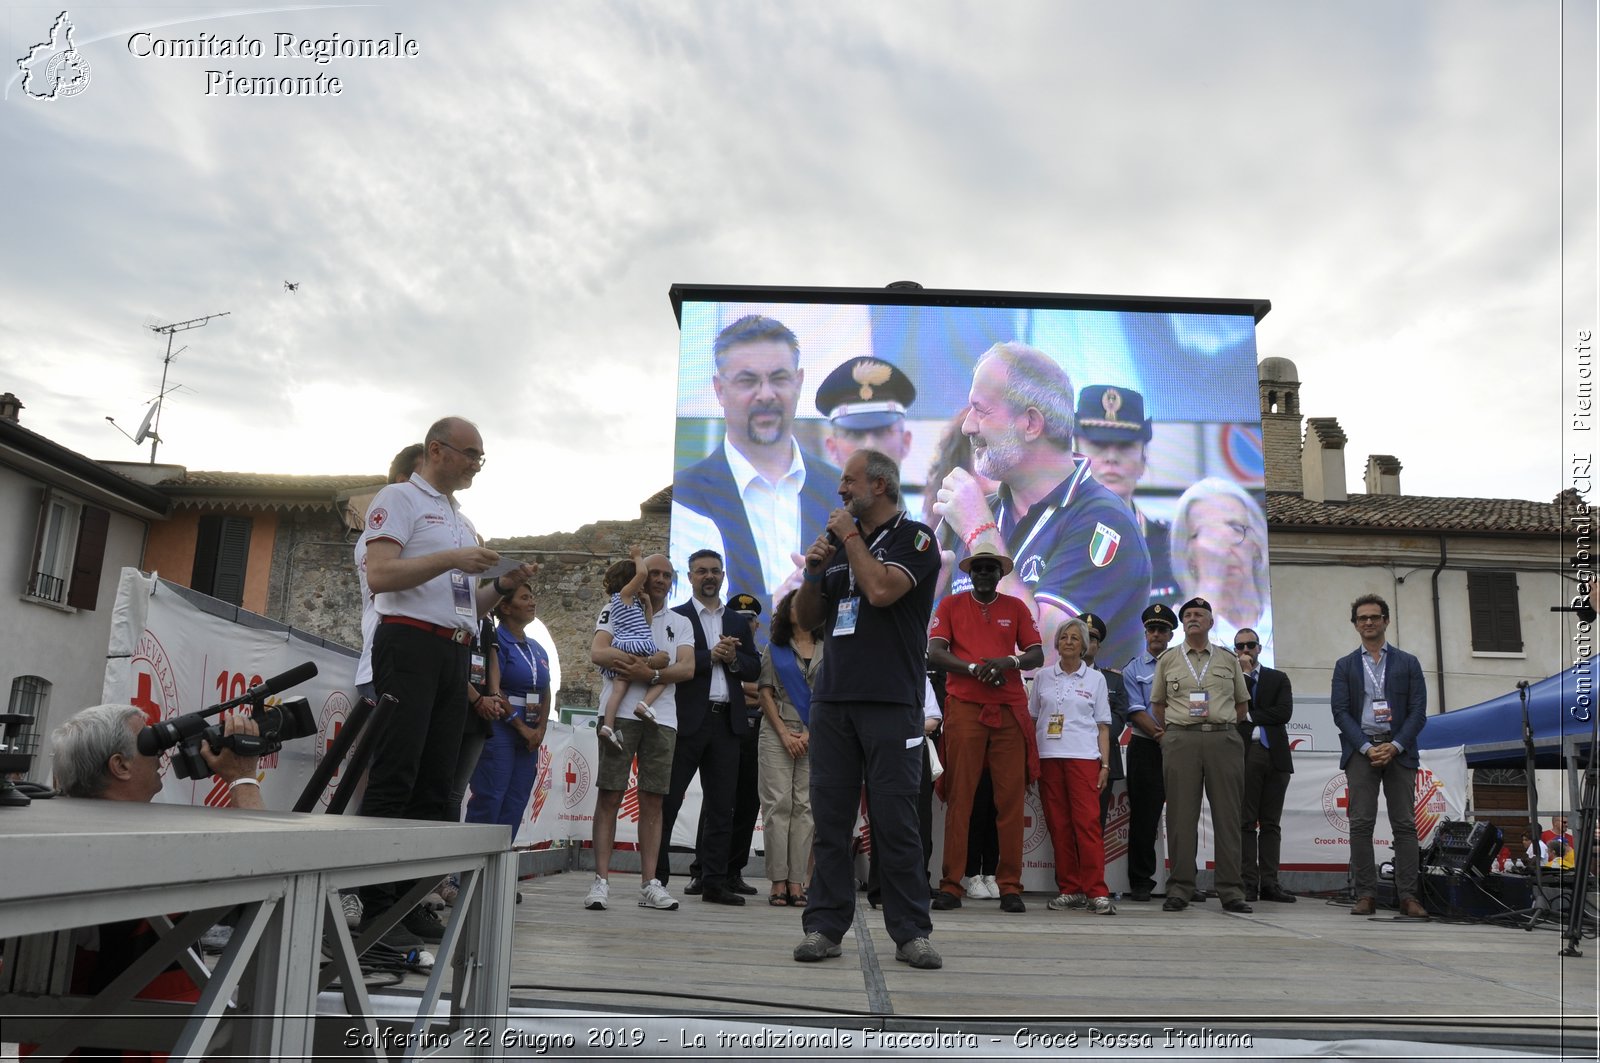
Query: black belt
{"x": 719, "y": 706}
{"x": 1381, "y": 736}
{"x": 1205, "y": 727}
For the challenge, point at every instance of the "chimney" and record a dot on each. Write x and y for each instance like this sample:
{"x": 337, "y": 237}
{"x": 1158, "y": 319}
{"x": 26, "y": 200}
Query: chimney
{"x": 1383, "y": 474}
{"x": 1322, "y": 460}
{"x": 1280, "y": 423}
{"x": 10, "y": 406}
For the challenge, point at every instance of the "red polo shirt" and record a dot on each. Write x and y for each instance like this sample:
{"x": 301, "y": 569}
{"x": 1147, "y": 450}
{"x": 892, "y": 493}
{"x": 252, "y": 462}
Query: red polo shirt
{"x": 1002, "y": 628}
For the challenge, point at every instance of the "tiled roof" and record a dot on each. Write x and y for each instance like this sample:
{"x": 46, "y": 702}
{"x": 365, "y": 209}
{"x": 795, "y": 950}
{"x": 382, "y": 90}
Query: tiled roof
{"x": 269, "y": 481}
{"x": 1422, "y": 513}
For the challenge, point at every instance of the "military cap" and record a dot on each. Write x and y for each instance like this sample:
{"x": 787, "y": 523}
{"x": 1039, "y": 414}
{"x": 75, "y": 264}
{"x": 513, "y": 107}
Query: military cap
{"x": 745, "y": 603}
{"x": 1109, "y": 414}
{"x": 1097, "y": 627}
{"x": 1195, "y": 603}
{"x": 1159, "y": 614}
{"x": 865, "y": 393}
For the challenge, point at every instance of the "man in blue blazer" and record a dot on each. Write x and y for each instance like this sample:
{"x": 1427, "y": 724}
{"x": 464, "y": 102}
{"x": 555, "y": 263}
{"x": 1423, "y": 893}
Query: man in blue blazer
{"x": 758, "y": 499}
{"x": 1380, "y": 703}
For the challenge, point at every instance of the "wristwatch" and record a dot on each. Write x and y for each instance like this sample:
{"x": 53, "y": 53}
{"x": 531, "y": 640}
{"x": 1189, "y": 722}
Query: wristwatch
{"x": 655, "y": 677}
{"x": 972, "y": 669}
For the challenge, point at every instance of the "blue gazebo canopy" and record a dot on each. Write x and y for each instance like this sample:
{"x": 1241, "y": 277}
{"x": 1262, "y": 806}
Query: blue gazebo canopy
{"x": 1561, "y": 709}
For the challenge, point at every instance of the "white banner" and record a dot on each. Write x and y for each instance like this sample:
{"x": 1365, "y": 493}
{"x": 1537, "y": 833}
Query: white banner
{"x": 169, "y": 657}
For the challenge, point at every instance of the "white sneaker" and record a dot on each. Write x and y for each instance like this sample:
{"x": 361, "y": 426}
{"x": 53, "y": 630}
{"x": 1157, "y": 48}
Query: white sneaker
{"x": 991, "y": 887}
{"x": 599, "y": 894}
{"x": 1068, "y": 901}
{"x": 352, "y": 909}
{"x": 654, "y": 895}
{"x": 1102, "y": 906}
{"x": 971, "y": 885}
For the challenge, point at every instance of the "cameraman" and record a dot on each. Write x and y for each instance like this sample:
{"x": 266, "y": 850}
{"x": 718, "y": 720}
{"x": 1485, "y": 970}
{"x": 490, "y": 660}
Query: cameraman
{"x": 96, "y": 754}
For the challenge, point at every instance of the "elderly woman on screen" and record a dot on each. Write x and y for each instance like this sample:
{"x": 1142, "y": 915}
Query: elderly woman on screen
{"x": 1219, "y": 553}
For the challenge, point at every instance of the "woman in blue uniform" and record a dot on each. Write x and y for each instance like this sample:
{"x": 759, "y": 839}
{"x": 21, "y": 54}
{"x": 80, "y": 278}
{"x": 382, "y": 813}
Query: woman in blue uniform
{"x": 509, "y": 765}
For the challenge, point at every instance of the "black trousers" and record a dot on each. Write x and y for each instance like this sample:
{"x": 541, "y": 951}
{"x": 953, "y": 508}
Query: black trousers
{"x": 413, "y": 769}
{"x": 925, "y": 825}
{"x": 1147, "y": 792}
{"x": 746, "y": 810}
{"x": 1261, "y": 817}
{"x": 712, "y": 751}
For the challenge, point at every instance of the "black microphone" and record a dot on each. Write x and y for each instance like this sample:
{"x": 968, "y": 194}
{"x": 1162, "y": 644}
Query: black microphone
{"x": 1523, "y": 684}
{"x": 277, "y": 684}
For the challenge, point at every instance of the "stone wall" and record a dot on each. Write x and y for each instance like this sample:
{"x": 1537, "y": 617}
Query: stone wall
{"x": 570, "y": 590}
{"x": 314, "y": 586}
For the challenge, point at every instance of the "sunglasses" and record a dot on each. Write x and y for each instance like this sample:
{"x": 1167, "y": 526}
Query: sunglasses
{"x": 984, "y": 566}
{"x": 1247, "y": 645}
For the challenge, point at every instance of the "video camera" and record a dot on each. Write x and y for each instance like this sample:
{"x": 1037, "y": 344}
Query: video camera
{"x": 277, "y": 723}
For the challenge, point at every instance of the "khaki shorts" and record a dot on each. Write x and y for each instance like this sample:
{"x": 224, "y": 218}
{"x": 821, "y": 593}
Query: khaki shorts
{"x": 651, "y": 743}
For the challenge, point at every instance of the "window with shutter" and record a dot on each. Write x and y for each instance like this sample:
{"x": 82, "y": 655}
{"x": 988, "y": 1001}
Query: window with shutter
{"x": 68, "y": 552}
{"x": 221, "y": 553}
{"x": 1495, "y": 614}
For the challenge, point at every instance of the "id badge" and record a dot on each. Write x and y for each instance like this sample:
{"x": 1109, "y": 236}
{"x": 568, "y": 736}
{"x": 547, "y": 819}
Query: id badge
{"x": 1199, "y": 703}
{"x": 461, "y": 591}
{"x": 479, "y": 675}
{"x": 1054, "y": 726}
{"x": 1381, "y": 714}
{"x": 845, "y": 623}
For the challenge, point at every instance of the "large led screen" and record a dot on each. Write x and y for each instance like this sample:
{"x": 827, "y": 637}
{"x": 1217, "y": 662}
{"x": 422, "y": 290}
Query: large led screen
{"x": 1118, "y": 451}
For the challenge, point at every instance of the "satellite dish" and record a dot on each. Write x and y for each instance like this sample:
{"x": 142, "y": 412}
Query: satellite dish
{"x": 144, "y": 426}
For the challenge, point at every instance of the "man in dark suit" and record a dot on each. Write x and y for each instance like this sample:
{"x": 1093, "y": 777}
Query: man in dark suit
{"x": 711, "y": 722}
{"x": 1380, "y": 702}
{"x": 758, "y": 498}
{"x": 1267, "y": 767}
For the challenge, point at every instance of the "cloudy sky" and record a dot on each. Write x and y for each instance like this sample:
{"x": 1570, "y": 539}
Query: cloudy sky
{"x": 490, "y": 227}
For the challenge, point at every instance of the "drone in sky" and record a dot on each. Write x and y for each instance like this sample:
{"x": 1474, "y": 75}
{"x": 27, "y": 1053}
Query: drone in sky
{"x": 291, "y": 286}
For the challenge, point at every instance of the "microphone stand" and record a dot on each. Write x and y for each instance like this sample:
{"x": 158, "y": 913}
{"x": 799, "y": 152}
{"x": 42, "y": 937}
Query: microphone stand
{"x": 1541, "y": 900}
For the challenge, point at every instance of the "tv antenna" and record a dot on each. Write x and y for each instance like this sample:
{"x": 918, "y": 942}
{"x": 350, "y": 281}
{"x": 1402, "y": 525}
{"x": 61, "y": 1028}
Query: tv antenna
{"x": 151, "y": 428}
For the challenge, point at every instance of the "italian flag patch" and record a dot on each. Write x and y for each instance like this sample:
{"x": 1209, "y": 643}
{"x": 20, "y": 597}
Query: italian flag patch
{"x": 1103, "y": 546}
{"x": 923, "y": 541}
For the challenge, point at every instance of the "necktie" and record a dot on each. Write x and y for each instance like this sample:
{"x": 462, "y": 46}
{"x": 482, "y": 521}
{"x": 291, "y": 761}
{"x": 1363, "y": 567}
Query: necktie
{"x": 1261, "y": 732}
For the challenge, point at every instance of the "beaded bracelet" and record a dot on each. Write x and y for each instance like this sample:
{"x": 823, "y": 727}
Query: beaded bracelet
{"x": 979, "y": 530}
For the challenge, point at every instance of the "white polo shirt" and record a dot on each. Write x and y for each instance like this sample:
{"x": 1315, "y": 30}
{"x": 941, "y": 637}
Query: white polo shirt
{"x": 670, "y": 630}
{"x": 422, "y": 521}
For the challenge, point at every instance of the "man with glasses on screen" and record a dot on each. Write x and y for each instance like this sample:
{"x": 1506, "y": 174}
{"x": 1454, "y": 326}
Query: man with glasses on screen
{"x": 1076, "y": 545}
{"x": 755, "y": 497}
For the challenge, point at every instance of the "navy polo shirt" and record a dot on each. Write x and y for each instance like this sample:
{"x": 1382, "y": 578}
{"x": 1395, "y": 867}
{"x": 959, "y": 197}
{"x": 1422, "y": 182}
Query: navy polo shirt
{"x": 1080, "y": 550}
{"x": 886, "y": 659}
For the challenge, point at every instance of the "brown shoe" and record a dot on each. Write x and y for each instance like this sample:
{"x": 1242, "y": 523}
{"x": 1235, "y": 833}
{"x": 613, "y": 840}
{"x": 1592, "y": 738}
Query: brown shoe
{"x": 1365, "y": 906}
{"x": 1412, "y": 910}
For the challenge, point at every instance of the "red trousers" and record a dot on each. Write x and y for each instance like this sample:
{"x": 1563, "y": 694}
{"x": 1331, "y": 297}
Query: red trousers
{"x": 969, "y": 746}
{"x": 1072, "y": 812}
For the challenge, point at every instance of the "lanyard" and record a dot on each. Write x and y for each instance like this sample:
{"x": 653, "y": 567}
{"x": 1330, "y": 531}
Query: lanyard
{"x": 1199, "y": 677}
{"x": 455, "y": 517}
{"x": 888, "y": 526}
{"x": 533, "y": 670}
{"x": 1376, "y": 679}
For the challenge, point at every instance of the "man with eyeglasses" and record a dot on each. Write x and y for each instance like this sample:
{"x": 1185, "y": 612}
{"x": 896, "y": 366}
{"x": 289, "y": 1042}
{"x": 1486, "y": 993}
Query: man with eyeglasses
{"x": 755, "y": 497}
{"x": 983, "y": 641}
{"x": 1146, "y": 789}
{"x": 422, "y": 559}
{"x": 1380, "y": 703}
{"x": 1267, "y": 767}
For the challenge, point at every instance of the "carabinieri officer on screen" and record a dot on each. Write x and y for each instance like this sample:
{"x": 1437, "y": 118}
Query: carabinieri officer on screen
{"x": 869, "y": 583}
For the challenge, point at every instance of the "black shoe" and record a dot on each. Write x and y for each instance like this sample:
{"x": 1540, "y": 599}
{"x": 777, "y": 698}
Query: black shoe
{"x": 1277, "y": 893}
{"x": 396, "y": 937}
{"x": 739, "y": 885}
{"x": 1142, "y": 896}
{"x": 1174, "y": 904}
{"x": 718, "y": 895}
{"x": 1252, "y": 895}
{"x": 1012, "y": 902}
{"x": 943, "y": 902}
{"x": 694, "y": 887}
{"x": 1237, "y": 906}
